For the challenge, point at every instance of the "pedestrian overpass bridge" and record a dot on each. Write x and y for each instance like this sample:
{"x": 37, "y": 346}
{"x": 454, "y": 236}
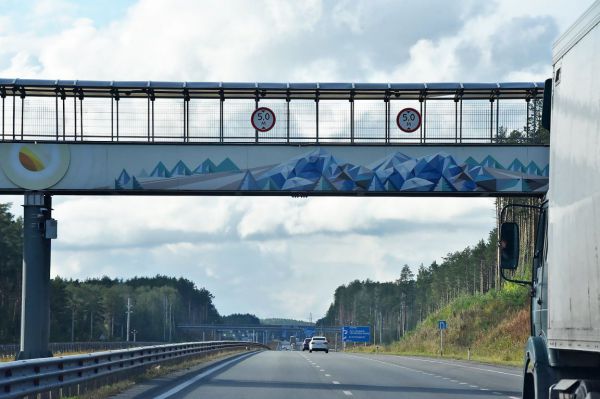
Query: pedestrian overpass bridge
{"x": 299, "y": 139}
{"x": 202, "y": 138}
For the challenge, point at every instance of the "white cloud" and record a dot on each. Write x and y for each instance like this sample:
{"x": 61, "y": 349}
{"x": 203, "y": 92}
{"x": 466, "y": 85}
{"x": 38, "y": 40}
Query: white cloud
{"x": 243, "y": 248}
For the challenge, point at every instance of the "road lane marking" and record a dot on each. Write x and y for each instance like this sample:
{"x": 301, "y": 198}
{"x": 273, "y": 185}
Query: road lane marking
{"x": 200, "y": 376}
{"x": 473, "y": 386}
{"x": 336, "y": 382}
{"x": 347, "y": 393}
{"x": 327, "y": 375}
{"x": 462, "y": 365}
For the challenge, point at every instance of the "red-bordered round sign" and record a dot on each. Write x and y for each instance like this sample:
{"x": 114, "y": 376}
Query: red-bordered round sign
{"x": 263, "y": 119}
{"x": 408, "y": 120}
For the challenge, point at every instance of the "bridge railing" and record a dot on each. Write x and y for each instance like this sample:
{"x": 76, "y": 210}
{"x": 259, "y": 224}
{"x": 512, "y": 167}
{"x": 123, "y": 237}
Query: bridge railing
{"x": 66, "y": 375}
{"x": 306, "y": 113}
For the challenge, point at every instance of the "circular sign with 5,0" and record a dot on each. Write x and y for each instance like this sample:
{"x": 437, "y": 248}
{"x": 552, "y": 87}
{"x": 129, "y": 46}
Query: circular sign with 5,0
{"x": 408, "y": 120}
{"x": 263, "y": 119}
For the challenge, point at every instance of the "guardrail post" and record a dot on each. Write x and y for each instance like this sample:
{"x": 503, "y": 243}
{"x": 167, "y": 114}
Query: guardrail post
{"x": 35, "y": 307}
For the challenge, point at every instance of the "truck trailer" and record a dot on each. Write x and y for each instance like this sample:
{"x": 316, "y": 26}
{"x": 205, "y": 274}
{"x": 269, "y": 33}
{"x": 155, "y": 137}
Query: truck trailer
{"x": 562, "y": 355}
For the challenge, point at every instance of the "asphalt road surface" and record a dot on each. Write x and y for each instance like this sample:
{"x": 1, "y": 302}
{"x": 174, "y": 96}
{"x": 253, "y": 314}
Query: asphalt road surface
{"x": 289, "y": 375}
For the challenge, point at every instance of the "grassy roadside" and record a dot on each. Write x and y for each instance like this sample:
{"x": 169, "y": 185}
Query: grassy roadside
{"x": 107, "y": 391}
{"x": 493, "y": 327}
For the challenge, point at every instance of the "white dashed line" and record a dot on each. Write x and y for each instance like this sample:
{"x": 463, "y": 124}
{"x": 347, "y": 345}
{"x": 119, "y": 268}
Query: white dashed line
{"x": 347, "y": 393}
{"x": 336, "y": 382}
{"x": 473, "y": 386}
{"x": 467, "y": 367}
{"x": 327, "y": 375}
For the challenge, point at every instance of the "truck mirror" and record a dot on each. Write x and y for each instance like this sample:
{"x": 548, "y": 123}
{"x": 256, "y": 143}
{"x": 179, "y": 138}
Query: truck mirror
{"x": 547, "y": 104}
{"x": 509, "y": 246}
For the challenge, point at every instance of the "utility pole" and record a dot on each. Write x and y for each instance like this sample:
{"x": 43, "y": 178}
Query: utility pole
{"x": 128, "y": 317}
{"x": 170, "y": 322}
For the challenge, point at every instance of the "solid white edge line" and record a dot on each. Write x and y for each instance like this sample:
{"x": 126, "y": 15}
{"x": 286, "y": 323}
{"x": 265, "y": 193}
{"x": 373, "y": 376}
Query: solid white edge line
{"x": 438, "y": 362}
{"x": 200, "y": 376}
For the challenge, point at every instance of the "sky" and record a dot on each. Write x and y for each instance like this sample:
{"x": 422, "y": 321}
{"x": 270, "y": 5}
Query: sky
{"x": 273, "y": 256}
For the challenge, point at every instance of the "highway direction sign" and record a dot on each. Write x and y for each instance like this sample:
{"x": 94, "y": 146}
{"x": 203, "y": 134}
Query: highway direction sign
{"x": 309, "y": 332}
{"x": 356, "y": 333}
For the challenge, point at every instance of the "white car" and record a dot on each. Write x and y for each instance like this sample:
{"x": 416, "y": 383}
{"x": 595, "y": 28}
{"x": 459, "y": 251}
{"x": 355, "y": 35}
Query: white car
{"x": 318, "y": 344}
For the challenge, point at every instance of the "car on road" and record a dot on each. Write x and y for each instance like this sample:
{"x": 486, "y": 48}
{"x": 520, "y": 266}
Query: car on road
{"x": 318, "y": 344}
{"x": 305, "y": 344}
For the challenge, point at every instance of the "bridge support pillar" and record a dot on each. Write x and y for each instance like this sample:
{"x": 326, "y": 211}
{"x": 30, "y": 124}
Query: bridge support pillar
{"x": 38, "y": 229}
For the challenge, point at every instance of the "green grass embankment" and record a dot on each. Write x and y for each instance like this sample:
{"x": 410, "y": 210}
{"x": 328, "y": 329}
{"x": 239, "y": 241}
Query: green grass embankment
{"x": 494, "y": 326}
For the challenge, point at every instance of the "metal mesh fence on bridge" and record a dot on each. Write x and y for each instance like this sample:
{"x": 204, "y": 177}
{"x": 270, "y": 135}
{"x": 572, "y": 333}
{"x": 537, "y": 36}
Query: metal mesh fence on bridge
{"x": 152, "y": 112}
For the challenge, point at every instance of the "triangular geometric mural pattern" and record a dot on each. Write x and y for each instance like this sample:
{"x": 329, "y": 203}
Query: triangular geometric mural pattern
{"x": 320, "y": 171}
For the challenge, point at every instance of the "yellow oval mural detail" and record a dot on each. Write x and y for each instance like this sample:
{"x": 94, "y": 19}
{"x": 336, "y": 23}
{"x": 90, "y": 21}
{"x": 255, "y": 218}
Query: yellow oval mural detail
{"x": 30, "y": 161}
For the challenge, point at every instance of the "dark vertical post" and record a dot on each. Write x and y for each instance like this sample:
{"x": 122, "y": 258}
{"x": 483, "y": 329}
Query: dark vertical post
{"x": 3, "y": 95}
{"x": 527, "y": 120}
{"x": 461, "y": 119}
{"x": 497, "y": 115}
{"x": 112, "y": 131}
{"x": 255, "y": 108}
{"x": 75, "y": 116}
{"x": 35, "y": 306}
{"x": 14, "y": 114}
{"x": 456, "y": 120}
{"x": 317, "y": 115}
{"x": 534, "y": 117}
{"x": 22, "y": 112}
{"x": 221, "y": 127}
{"x": 491, "y": 120}
{"x": 56, "y": 112}
{"x": 81, "y": 114}
{"x": 64, "y": 125}
{"x": 117, "y": 105}
{"x": 420, "y": 127}
{"x": 152, "y": 115}
{"x": 287, "y": 118}
{"x": 148, "y": 119}
{"x": 352, "y": 120}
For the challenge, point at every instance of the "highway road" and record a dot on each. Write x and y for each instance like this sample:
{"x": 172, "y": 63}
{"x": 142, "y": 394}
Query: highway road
{"x": 303, "y": 375}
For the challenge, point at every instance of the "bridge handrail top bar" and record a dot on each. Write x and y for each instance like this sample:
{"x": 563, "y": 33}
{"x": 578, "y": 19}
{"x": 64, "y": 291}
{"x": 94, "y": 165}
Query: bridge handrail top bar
{"x": 270, "y": 90}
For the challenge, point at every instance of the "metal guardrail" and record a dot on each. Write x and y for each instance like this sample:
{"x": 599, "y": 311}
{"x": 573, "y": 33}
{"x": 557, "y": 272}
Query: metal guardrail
{"x": 30, "y": 377}
{"x": 306, "y": 113}
{"x": 10, "y": 350}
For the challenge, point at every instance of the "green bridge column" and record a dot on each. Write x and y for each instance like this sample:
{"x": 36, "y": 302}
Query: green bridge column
{"x": 38, "y": 230}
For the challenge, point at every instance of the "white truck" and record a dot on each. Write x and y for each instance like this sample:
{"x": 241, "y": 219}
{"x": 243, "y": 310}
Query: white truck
{"x": 562, "y": 356}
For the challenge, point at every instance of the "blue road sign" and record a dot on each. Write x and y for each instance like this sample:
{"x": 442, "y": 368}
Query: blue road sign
{"x": 442, "y": 325}
{"x": 356, "y": 333}
{"x": 309, "y": 332}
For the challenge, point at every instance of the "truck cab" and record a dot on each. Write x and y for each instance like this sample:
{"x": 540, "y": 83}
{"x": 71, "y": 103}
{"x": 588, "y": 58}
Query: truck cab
{"x": 562, "y": 355}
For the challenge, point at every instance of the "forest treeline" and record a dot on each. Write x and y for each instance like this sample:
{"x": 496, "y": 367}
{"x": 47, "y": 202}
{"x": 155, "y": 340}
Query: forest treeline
{"x": 96, "y": 309}
{"x": 394, "y": 308}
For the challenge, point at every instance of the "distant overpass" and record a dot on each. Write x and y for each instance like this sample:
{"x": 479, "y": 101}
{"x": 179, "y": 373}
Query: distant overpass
{"x": 257, "y": 333}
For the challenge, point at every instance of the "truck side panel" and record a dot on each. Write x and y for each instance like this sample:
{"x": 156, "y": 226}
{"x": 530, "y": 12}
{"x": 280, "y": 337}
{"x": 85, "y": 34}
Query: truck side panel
{"x": 573, "y": 258}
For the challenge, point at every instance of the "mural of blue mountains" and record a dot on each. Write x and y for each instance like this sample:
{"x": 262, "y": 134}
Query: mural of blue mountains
{"x": 319, "y": 170}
